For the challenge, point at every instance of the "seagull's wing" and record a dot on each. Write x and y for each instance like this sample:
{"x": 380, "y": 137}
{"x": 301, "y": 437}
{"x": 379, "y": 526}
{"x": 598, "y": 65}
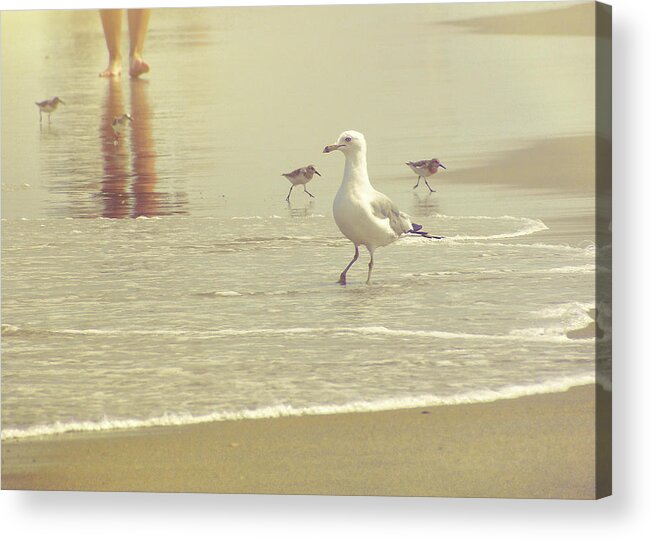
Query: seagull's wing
{"x": 384, "y": 208}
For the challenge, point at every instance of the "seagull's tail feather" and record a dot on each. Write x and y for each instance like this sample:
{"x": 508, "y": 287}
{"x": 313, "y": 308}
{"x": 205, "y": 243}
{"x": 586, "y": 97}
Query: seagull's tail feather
{"x": 418, "y": 230}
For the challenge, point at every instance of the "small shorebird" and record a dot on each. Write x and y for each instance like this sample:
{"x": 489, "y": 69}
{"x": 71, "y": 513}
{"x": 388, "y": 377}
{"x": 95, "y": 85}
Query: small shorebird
{"x": 425, "y": 169}
{"x": 365, "y": 216}
{"x": 48, "y": 106}
{"x": 301, "y": 176}
{"x": 119, "y": 124}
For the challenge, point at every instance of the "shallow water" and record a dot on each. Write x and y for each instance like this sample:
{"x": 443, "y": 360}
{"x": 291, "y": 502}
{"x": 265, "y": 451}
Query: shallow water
{"x": 164, "y": 278}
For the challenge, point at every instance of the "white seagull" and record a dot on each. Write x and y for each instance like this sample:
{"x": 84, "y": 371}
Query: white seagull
{"x": 365, "y": 216}
{"x": 301, "y": 176}
{"x": 425, "y": 169}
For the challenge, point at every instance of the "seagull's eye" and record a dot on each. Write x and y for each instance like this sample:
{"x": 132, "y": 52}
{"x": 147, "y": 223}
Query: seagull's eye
{"x": 348, "y": 139}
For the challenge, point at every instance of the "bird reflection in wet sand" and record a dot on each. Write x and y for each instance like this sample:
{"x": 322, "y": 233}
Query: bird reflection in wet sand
{"x": 301, "y": 210}
{"x": 425, "y": 205}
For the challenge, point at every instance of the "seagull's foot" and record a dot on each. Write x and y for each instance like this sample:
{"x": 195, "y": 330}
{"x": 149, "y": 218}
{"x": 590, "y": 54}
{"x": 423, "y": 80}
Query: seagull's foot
{"x": 137, "y": 67}
{"x": 114, "y": 68}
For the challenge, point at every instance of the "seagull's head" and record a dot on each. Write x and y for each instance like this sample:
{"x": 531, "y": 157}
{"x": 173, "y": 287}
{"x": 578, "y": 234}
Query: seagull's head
{"x": 348, "y": 142}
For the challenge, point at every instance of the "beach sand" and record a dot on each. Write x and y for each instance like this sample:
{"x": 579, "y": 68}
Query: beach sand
{"x": 540, "y": 446}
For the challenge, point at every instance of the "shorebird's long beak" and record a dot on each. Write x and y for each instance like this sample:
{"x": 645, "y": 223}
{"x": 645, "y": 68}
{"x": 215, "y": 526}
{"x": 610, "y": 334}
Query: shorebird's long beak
{"x": 316, "y": 171}
{"x": 443, "y": 166}
{"x": 62, "y": 101}
{"x": 332, "y": 148}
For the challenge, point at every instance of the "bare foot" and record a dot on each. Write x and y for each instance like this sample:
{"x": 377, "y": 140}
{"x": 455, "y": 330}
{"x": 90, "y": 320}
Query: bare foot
{"x": 114, "y": 69}
{"x": 137, "y": 67}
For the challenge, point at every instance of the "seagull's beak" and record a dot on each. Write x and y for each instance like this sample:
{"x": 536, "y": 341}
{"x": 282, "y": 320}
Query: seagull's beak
{"x": 316, "y": 171}
{"x": 332, "y": 148}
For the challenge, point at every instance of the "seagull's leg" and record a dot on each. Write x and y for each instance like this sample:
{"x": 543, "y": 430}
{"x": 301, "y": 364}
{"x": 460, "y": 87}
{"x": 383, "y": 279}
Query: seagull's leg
{"x": 290, "y": 192}
{"x": 342, "y": 277}
{"x": 370, "y": 268}
{"x": 305, "y": 189}
{"x": 430, "y": 189}
{"x": 417, "y": 183}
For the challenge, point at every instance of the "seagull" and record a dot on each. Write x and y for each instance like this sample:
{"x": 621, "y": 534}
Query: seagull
{"x": 48, "y": 106}
{"x": 425, "y": 169}
{"x": 301, "y": 176}
{"x": 365, "y": 216}
{"x": 119, "y": 124}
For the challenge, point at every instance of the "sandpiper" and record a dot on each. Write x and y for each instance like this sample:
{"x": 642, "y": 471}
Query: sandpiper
{"x": 48, "y": 106}
{"x": 425, "y": 169}
{"x": 119, "y": 124}
{"x": 301, "y": 176}
{"x": 365, "y": 216}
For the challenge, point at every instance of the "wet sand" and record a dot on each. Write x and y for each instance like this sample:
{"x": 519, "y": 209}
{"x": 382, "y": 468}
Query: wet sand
{"x": 560, "y": 163}
{"x": 540, "y": 446}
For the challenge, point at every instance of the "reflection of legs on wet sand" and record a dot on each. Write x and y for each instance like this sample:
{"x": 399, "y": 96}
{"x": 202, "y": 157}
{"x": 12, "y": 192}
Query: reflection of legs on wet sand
{"x": 112, "y": 24}
{"x": 144, "y": 153}
{"x": 114, "y": 182}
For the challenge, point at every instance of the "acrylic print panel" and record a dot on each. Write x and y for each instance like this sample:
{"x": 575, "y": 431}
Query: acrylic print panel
{"x": 173, "y": 312}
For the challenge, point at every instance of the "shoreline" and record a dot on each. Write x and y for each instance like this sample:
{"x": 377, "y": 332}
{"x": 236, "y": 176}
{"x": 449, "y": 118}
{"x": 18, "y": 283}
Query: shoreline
{"x": 47, "y": 432}
{"x": 536, "y": 446}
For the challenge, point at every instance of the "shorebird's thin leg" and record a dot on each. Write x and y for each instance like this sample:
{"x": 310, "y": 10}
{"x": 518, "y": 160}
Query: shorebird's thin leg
{"x": 305, "y": 189}
{"x": 342, "y": 277}
{"x": 370, "y": 269}
{"x": 40, "y": 116}
{"x": 48, "y": 117}
{"x": 417, "y": 183}
{"x": 290, "y": 192}
{"x": 430, "y": 189}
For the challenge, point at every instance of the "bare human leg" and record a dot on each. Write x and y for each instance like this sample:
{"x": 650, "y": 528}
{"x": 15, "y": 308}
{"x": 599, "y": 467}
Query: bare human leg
{"x": 112, "y": 24}
{"x": 138, "y": 23}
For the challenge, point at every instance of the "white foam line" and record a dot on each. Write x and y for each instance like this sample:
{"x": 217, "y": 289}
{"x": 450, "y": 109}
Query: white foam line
{"x": 470, "y": 397}
{"x": 585, "y": 269}
{"x": 361, "y": 331}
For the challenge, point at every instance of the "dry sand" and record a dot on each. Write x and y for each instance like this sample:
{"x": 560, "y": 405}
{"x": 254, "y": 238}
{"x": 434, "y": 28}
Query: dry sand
{"x": 540, "y": 446}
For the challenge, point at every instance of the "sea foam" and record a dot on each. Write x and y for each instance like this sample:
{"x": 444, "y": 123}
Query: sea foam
{"x": 477, "y": 396}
